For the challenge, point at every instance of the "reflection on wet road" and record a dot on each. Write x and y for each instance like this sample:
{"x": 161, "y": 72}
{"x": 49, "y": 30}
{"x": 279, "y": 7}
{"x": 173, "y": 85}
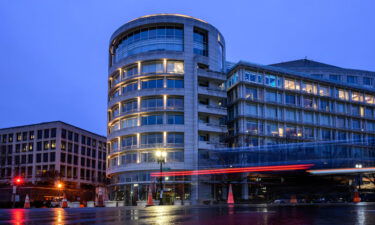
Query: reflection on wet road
{"x": 294, "y": 215}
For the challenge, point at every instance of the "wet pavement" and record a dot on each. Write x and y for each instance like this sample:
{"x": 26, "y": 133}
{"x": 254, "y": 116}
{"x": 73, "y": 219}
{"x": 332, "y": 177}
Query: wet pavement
{"x": 294, "y": 215}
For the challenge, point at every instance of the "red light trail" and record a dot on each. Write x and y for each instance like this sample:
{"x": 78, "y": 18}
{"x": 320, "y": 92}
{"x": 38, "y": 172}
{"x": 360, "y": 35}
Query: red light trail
{"x": 234, "y": 170}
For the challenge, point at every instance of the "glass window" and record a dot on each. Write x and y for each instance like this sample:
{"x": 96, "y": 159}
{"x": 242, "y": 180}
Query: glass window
{"x": 175, "y": 119}
{"x": 324, "y": 105}
{"x": 129, "y": 122}
{"x": 357, "y": 97}
{"x": 308, "y": 117}
{"x": 309, "y": 87}
{"x": 270, "y": 80}
{"x": 153, "y": 139}
{"x": 252, "y": 127}
{"x": 200, "y": 42}
{"x": 334, "y": 77}
{"x": 352, "y": 79}
{"x": 355, "y": 110}
{"x": 308, "y": 132}
{"x": 130, "y": 87}
{"x": 152, "y": 103}
{"x": 175, "y": 138}
{"x": 175, "y": 83}
{"x": 326, "y": 134}
{"x": 356, "y": 124}
{"x": 152, "y": 119}
{"x": 369, "y": 99}
{"x": 129, "y": 141}
{"x": 325, "y": 120}
{"x": 153, "y": 83}
{"x": 290, "y": 84}
{"x": 251, "y": 109}
{"x": 290, "y": 114}
{"x": 340, "y": 122}
{"x": 343, "y": 95}
{"x": 308, "y": 102}
{"x": 131, "y": 71}
{"x": 290, "y": 99}
{"x": 369, "y": 112}
{"x": 340, "y": 107}
{"x": 271, "y": 96}
{"x": 324, "y": 91}
{"x": 175, "y": 103}
{"x": 251, "y": 93}
{"x": 130, "y": 106}
{"x": 368, "y": 81}
{"x": 153, "y": 38}
{"x": 271, "y": 112}
{"x": 175, "y": 67}
{"x": 152, "y": 67}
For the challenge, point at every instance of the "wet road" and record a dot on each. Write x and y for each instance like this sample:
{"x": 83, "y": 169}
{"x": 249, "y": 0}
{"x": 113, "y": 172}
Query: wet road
{"x": 294, "y": 215}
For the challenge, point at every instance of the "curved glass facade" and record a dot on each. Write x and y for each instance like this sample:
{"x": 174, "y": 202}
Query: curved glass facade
{"x": 163, "y": 37}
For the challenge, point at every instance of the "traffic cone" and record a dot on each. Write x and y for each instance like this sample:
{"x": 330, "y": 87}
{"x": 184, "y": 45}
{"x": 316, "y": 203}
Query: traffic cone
{"x": 356, "y": 197}
{"x": 230, "y": 195}
{"x": 150, "y": 202}
{"x": 27, "y": 203}
{"x": 293, "y": 199}
{"x": 64, "y": 203}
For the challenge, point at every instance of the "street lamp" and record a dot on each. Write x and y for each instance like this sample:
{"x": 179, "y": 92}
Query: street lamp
{"x": 59, "y": 186}
{"x": 160, "y": 157}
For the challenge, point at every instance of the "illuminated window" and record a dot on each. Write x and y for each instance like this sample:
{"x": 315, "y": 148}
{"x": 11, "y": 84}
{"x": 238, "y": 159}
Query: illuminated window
{"x": 357, "y": 97}
{"x": 324, "y": 91}
{"x": 175, "y": 67}
{"x": 152, "y": 67}
{"x": 251, "y": 93}
{"x": 309, "y": 88}
{"x": 369, "y": 99}
{"x": 270, "y": 80}
{"x": 129, "y": 122}
{"x": 129, "y": 141}
{"x": 343, "y": 95}
{"x": 290, "y": 84}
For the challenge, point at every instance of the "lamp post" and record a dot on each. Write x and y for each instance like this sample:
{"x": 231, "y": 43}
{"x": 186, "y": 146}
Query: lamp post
{"x": 59, "y": 186}
{"x": 160, "y": 157}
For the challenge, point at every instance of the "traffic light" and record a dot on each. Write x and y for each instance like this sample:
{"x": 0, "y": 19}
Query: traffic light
{"x": 18, "y": 181}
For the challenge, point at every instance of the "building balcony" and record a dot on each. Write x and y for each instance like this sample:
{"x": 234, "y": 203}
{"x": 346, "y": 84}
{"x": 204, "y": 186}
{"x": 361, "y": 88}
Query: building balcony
{"x": 211, "y": 145}
{"x": 147, "y": 146}
{"x": 217, "y": 128}
{"x": 212, "y": 91}
{"x": 144, "y": 166}
{"x": 212, "y": 109}
{"x": 211, "y": 74}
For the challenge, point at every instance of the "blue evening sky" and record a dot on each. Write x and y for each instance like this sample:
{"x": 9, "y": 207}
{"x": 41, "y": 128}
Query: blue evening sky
{"x": 53, "y": 53}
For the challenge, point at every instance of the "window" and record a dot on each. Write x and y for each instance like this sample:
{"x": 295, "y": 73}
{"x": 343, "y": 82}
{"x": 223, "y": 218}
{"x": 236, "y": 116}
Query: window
{"x": 291, "y": 84}
{"x": 334, "y": 77}
{"x": 175, "y": 139}
{"x": 251, "y": 93}
{"x": 368, "y": 81}
{"x": 352, "y": 79}
{"x": 324, "y": 105}
{"x": 154, "y": 83}
{"x": 357, "y": 97}
{"x": 130, "y": 87}
{"x": 152, "y": 103}
{"x": 290, "y": 99}
{"x": 152, "y": 38}
{"x": 175, "y": 156}
{"x": 355, "y": 110}
{"x": 326, "y": 134}
{"x": 343, "y": 95}
{"x": 340, "y": 107}
{"x": 46, "y": 145}
{"x": 271, "y": 129}
{"x": 152, "y": 119}
{"x": 175, "y": 83}
{"x": 200, "y": 44}
{"x": 130, "y": 106}
{"x": 309, "y": 87}
{"x": 369, "y": 99}
{"x": 369, "y": 112}
{"x": 356, "y": 124}
{"x": 175, "y": 103}
{"x": 129, "y": 122}
{"x": 153, "y": 139}
{"x": 272, "y": 112}
{"x": 308, "y": 117}
{"x": 115, "y": 111}
{"x": 175, "y": 67}
{"x": 39, "y": 134}
{"x": 152, "y": 67}
{"x": 340, "y": 122}
{"x": 324, "y": 91}
{"x": 252, "y": 127}
{"x": 147, "y": 157}
{"x": 325, "y": 120}
{"x": 308, "y": 102}
{"x": 46, "y": 133}
{"x": 129, "y": 141}
{"x": 175, "y": 119}
{"x": 270, "y": 80}
{"x": 290, "y": 114}
{"x": 53, "y": 132}
{"x": 251, "y": 109}
{"x": 130, "y": 71}
{"x": 308, "y": 132}
{"x": 31, "y": 135}
{"x": 271, "y": 96}
{"x": 290, "y": 131}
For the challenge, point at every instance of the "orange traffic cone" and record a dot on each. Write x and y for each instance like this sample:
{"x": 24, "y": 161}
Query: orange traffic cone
{"x": 64, "y": 203}
{"x": 293, "y": 199}
{"x": 230, "y": 195}
{"x": 27, "y": 203}
{"x": 150, "y": 202}
{"x": 356, "y": 197}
